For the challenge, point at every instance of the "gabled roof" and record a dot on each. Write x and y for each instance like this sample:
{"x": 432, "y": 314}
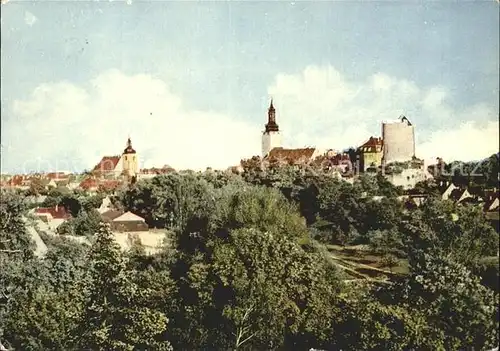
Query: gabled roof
{"x": 371, "y": 145}
{"x": 128, "y": 217}
{"x": 290, "y": 155}
{"x": 459, "y": 195}
{"x": 89, "y": 183}
{"x": 57, "y": 212}
{"x": 107, "y": 164}
{"x": 492, "y": 205}
{"x": 490, "y": 194}
{"x": 111, "y": 215}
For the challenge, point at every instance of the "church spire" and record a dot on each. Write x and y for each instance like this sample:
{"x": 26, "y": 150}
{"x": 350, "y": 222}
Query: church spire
{"x": 271, "y": 125}
{"x": 129, "y": 149}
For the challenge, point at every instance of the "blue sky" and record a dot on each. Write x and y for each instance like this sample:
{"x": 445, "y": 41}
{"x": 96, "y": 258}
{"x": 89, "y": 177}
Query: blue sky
{"x": 335, "y": 69}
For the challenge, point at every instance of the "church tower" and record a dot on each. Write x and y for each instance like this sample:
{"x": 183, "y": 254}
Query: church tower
{"x": 130, "y": 161}
{"x": 271, "y": 136}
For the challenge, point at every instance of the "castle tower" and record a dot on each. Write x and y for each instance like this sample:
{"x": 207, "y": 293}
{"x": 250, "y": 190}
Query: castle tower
{"x": 271, "y": 136}
{"x": 130, "y": 161}
{"x": 399, "y": 141}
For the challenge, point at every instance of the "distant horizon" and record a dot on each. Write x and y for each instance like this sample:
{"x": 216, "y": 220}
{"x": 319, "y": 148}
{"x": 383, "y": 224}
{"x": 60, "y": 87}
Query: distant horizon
{"x": 427, "y": 163}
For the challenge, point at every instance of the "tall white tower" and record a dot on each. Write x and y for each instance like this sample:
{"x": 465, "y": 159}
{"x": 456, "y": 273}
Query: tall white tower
{"x": 271, "y": 136}
{"x": 130, "y": 161}
{"x": 399, "y": 141}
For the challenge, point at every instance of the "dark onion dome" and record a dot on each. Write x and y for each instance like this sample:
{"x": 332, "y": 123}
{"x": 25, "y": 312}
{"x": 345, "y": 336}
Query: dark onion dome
{"x": 271, "y": 125}
{"x": 129, "y": 149}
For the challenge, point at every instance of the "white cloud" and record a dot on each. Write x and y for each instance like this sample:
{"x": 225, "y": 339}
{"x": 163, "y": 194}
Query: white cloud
{"x": 30, "y": 18}
{"x": 321, "y": 107}
{"x": 468, "y": 141}
{"x": 76, "y": 125}
{"x": 65, "y": 126}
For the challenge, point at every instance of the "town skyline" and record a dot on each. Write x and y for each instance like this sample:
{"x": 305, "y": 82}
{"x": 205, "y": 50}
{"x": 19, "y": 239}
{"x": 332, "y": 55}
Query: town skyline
{"x": 178, "y": 92}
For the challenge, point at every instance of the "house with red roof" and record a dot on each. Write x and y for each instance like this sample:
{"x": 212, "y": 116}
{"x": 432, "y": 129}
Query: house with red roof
{"x": 89, "y": 184}
{"x": 292, "y": 156}
{"x": 92, "y": 184}
{"x": 109, "y": 165}
{"x": 53, "y": 216}
{"x": 110, "y": 185}
{"x": 371, "y": 153}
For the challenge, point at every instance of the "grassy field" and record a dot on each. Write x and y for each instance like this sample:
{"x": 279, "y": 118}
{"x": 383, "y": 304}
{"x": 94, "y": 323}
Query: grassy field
{"x": 361, "y": 262}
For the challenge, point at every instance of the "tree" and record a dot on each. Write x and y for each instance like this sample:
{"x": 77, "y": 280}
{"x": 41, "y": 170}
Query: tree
{"x": 258, "y": 290}
{"x": 242, "y": 207}
{"x": 45, "y": 320}
{"x": 167, "y": 201}
{"x": 39, "y": 302}
{"x": 115, "y": 318}
{"x": 341, "y": 209}
{"x": 454, "y": 301}
{"x": 14, "y": 239}
{"x": 383, "y": 214}
{"x": 364, "y": 323}
{"x": 462, "y": 233}
{"x": 387, "y": 242}
{"x": 86, "y": 223}
{"x": 36, "y": 187}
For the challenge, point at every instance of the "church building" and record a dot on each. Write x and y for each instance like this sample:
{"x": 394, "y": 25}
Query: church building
{"x": 271, "y": 137}
{"x": 271, "y": 144}
{"x": 129, "y": 161}
{"x": 126, "y": 165}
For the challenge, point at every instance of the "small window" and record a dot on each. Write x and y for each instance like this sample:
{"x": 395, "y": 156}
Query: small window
{"x": 125, "y": 158}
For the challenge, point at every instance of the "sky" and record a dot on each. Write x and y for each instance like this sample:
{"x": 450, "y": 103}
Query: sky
{"x": 190, "y": 81}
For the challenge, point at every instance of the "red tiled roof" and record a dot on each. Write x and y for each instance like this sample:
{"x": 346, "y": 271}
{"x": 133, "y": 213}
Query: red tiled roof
{"x": 291, "y": 155}
{"x": 15, "y": 181}
{"x": 57, "y": 175}
{"x": 88, "y": 183}
{"x": 110, "y": 184}
{"x": 58, "y": 212}
{"x": 107, "y": 164}
{"x": 92, "y": 183}
{"x": 372, "y": 144}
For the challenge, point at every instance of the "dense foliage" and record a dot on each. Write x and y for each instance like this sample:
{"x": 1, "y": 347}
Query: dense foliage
{"x": 249, "y": 268}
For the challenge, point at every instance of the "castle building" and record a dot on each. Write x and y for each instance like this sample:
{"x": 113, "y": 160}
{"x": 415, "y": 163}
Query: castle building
{"x": 271, "y": 137}
{"x": 399, "y": 141}
{"x": 371, "y": 153}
